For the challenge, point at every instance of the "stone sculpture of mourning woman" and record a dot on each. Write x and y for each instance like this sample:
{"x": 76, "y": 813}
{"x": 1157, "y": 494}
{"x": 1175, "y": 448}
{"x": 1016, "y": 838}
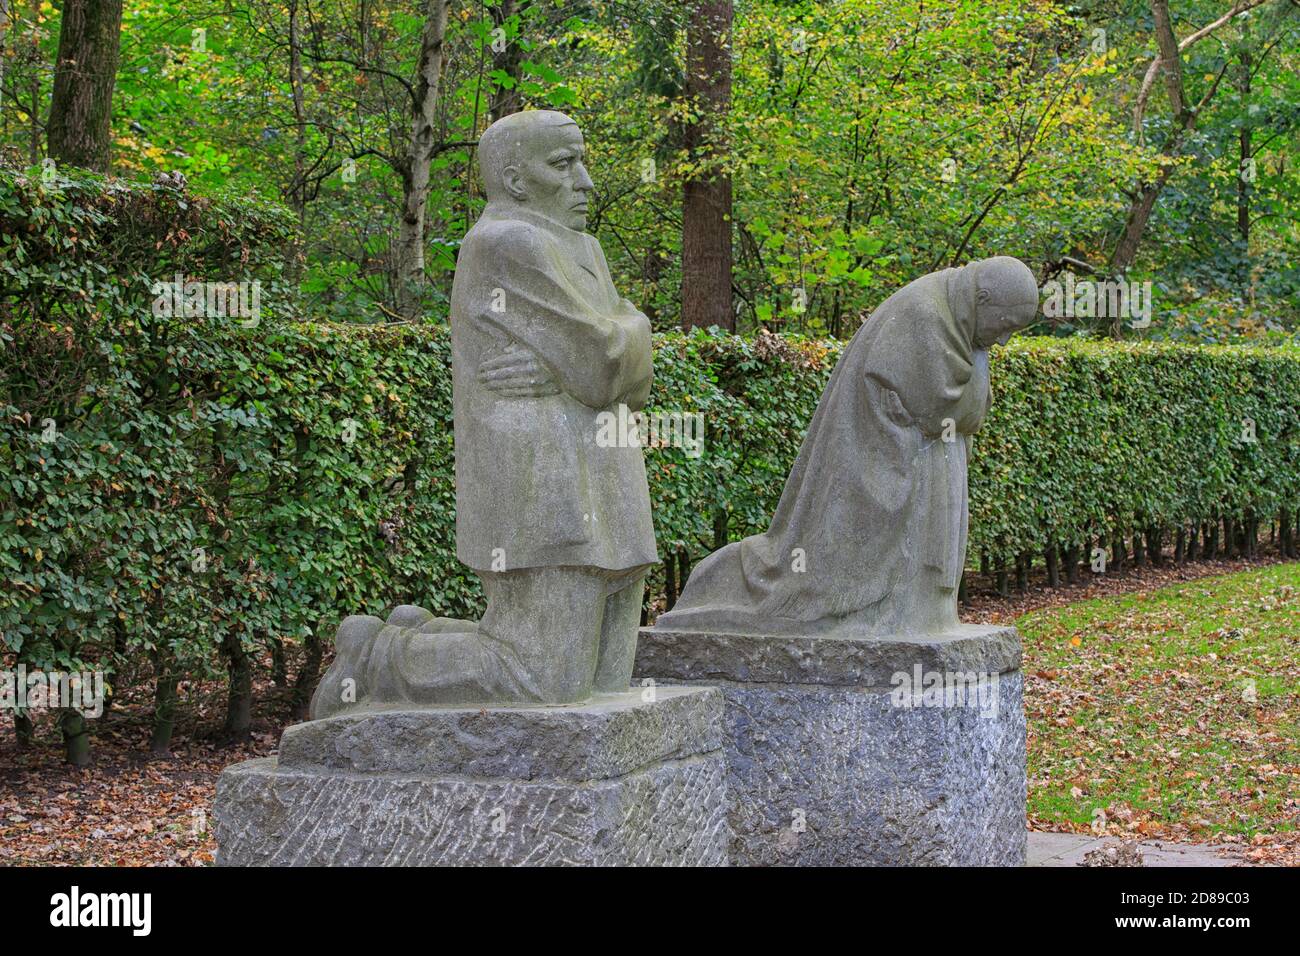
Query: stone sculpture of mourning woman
{"x": 869, "y": 537}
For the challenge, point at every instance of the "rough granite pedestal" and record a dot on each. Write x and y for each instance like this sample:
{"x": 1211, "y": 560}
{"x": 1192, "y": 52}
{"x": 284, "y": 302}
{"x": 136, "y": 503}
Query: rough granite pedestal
{"x": 825, "y": 767}
{"x": 616, "y": 781}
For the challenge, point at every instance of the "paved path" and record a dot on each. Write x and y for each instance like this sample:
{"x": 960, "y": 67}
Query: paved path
{"x": 1067, "y": 849}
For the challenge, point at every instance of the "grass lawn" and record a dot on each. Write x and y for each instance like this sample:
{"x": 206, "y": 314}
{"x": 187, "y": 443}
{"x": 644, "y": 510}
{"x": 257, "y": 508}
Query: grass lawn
{"x": 1175, "y": 712}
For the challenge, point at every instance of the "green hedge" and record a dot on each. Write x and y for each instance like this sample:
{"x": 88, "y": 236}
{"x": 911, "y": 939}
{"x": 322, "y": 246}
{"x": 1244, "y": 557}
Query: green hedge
{"x": 1091, "y": 440}
{"x": 211, "y": 491}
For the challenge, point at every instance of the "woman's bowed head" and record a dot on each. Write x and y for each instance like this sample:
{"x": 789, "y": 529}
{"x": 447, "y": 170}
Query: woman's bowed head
{"x": 1006, "y": 299}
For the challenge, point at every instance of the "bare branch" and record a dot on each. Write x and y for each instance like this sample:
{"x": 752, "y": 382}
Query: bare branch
{"x": 1170, "y": 53}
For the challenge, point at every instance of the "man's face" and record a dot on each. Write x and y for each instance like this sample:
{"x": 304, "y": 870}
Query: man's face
{"x": 552, "y": 177}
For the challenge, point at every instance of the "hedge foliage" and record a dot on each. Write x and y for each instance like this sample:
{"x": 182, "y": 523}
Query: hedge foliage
{"x": 1090, "y": 439}
{"x": 180, "y": 494}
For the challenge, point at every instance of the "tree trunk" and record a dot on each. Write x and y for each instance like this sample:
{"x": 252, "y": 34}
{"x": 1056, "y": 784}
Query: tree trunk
{"x": 1244, "y": 154}
{"x": 297, "y": 192}
{"x": 1139, "y": 214}
{"x": 1182, "y": 120}
{"x": 81, "y": 110}
{"x": 409, "y": 251}
{"x": 722, "y": 529}
{"x": 1072, "y": 563}
{"x": 1052, "y": 557}
{"x": 1155, "y": 546}
{"x": 239, "y": 704}
{"x": 304, "y": 686}
{"x": 115, "y": 661}
{"x": 164, "y": 703}
{"x": 670, "y": 582}
{"x": 76, "y": 738}
{"x": 34, "y": 94}
{"x": 706, "y": 199}
{"x": 507, "y": 97}
{"x": 1180, "y": 545}
{"x": 279, "y": 666}
{"x": 1003, "y": 583}
{"x": 963, "y": 591}
{"x": 298, "y": 187}
{"x": 24, "y": 729}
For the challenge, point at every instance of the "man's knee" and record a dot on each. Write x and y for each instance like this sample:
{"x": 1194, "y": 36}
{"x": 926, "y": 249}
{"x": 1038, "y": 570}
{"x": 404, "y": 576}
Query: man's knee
{"x": 550, "y": 618}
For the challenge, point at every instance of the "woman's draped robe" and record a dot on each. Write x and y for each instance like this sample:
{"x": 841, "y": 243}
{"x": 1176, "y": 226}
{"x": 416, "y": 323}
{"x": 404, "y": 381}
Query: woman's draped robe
{"x": 869, "y": 537}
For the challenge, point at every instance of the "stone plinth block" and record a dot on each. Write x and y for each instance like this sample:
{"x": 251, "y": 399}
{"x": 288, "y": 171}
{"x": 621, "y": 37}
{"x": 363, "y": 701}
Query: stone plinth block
{"x": 620, "y": 780}
{"x": 864, "y": 752}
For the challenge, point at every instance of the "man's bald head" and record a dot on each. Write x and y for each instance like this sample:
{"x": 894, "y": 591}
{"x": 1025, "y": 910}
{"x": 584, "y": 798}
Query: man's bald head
{"x": 533, "y": 161}
{"x": 509, "y": 140}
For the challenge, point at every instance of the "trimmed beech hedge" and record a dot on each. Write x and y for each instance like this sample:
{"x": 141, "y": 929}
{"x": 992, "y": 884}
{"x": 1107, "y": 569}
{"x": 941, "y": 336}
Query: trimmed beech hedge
{"x": 1091, "y": 440}
{"x": 185, "y": 496}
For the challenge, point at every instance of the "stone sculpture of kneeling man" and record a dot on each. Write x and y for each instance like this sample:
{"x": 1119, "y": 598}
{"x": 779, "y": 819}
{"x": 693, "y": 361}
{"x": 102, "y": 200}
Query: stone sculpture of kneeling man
{"x": 556, "y": 524}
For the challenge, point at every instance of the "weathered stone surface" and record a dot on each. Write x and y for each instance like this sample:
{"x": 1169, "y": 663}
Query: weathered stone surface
{"x": 618, "y": 781}
{"x": 825, "y": 768}
{"x": 691, "y": 656}
{"x": 611, "y": 735}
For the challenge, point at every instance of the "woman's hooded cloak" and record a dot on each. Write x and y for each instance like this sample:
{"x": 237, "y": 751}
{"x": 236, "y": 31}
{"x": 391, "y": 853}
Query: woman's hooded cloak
{"x": 869, "y": 536}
